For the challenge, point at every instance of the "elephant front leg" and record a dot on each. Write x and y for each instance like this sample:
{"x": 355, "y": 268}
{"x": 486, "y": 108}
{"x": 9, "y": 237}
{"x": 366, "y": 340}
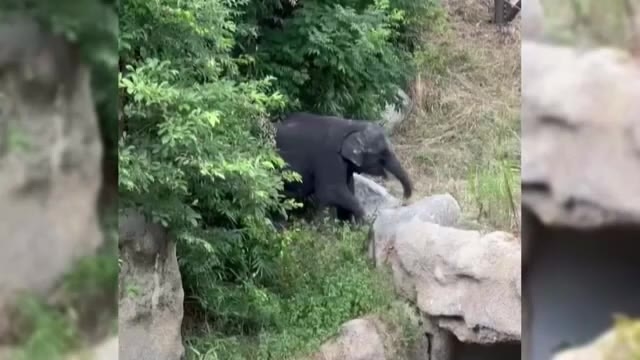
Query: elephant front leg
{"x": 342, "y": 213}
{"x": 334, "y": 187}
{"x": 346, "y": 203}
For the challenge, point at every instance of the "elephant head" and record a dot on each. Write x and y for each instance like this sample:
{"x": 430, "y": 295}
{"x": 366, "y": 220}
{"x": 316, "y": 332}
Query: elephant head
{"x": 370, "y": 152}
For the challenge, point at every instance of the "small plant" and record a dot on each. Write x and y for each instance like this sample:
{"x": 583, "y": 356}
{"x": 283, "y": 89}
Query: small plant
{"x": 495, "y": 191}
{"x": 323, "y": 280}
{"x": 52, "y": 334}
{"x": 49, "y": 329}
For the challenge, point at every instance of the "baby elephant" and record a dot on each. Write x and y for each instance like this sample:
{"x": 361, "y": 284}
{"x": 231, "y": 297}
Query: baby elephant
{"x": 327, "y": 150}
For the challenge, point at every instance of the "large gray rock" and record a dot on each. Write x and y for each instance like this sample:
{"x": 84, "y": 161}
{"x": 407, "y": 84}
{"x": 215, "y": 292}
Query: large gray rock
{"x": 580, "y": 152}
{"x": 359, "y": 339}
{"x": 441, "y": 209}
{"x": 50, "y": 157}
{"x": 469, "y": 282}
{"x": 151, "y": 298}
{"x": 465, "y": 282}
{"x": 372, "y": 196}
{"x": 580, "y": 136}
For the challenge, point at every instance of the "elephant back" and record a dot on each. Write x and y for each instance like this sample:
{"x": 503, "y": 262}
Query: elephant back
{"x": 304, "y": 131}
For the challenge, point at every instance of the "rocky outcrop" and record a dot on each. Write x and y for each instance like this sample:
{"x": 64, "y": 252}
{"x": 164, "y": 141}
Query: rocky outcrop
{"x": 50, "y": 156}
{"x": 440, "y": 209}
{"x": 151, "y": 298}
{"x": 359, "y": 339}
{"x": 372, "y": 196}
{"x": 580, "y": 152}
{"x": 580, "y": 136}
{"x": 464, "y": 282}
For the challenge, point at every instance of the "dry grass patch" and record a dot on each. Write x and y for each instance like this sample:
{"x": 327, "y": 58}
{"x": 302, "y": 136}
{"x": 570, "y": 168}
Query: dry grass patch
{"x": 464, "y": 134}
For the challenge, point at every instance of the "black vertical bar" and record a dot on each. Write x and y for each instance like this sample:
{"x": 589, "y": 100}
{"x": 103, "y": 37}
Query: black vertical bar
{"x": 498, "y": 12}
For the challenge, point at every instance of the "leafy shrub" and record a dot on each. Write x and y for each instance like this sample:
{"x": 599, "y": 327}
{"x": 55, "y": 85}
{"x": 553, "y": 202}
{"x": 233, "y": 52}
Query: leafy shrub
{"x": 333, "y": 59}
{"x": 199, "y": 79}
{"x": 336, "y": 57}
{"x": 195, "y": 154}
{"x": 324, "y": 281}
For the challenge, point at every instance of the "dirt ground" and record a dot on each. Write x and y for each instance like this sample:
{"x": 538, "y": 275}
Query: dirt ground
{"x": 463, "y": 135}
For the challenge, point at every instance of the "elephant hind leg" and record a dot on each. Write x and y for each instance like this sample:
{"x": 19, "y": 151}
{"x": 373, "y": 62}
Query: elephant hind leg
{"x": 343, "y": 214}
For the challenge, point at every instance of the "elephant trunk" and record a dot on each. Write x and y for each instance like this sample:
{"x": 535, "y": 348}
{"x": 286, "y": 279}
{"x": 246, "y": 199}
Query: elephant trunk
{"x": 392, "y": 165}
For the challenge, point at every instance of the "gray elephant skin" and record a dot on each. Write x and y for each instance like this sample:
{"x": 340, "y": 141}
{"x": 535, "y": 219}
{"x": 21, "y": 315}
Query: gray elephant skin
{"x": 326, "y": 151}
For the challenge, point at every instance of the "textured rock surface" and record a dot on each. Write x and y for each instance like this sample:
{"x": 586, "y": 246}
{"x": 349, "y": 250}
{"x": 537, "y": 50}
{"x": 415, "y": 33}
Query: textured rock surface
{"x": 372, "y": 196}
{"x": 359, "y": 339}
{"x": 50, "y": 162}
{"x": 466, "y": 282}
{"x": 439, "y": 209}
{"x": 150, "y": 317}
{"x": 581, "y": 136}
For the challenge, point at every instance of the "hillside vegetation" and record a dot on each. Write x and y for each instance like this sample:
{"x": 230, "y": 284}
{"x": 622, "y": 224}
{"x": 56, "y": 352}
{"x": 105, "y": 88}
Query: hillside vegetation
{"x": 201, "y": 80}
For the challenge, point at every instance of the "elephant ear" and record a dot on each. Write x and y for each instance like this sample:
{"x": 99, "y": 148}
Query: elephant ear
{"x": 357, "y": 144}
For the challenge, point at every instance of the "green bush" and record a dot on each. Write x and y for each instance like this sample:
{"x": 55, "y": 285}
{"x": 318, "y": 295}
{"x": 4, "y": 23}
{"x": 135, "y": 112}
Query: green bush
{"x": 333, "y": 59}
{"x": 324, "y": 280}
{"x": 196, "y": 154}
{"x": 336, "y": 57}
{"x": 199, "y": 81}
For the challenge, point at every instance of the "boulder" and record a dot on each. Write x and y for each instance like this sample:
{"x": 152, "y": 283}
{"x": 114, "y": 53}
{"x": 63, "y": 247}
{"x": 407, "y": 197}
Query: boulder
{"x": 469, "y": 282}
{"x": 580, "y": 150}
{"x": 359, "y": 339}
{"x": 465, "y": 282}
{"x": 441, "y": 209}
{"x": 50, "y": 162}
{"x": 580, "y": 136}
{"x": 372, "y": 196}
{"x": 151, "y": 299}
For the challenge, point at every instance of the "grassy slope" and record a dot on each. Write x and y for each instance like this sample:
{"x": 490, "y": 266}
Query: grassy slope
{"x": 464, "y": 134}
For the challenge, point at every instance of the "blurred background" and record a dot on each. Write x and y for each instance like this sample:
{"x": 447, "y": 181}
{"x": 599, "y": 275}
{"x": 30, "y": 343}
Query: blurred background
{"x": 58, "y": 179}
{"x": 581, "y": 212}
